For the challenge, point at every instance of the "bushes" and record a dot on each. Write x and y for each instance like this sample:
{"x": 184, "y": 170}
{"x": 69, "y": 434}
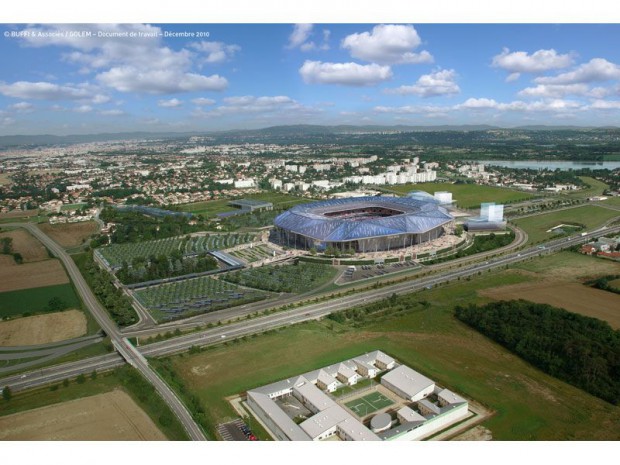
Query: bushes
{"x": 296, "y": 278}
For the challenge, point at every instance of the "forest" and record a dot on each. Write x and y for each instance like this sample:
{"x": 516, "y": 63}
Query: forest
{"x": 579, "y": 350}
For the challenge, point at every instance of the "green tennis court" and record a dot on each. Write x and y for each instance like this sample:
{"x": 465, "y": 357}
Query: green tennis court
{"x": 368, "y": 404}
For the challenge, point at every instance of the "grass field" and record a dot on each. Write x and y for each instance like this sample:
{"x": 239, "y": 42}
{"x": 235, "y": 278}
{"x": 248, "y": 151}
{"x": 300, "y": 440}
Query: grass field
{"x": 213, "y": 207}
{"x": 104, "y": 383}
{"x": 615, "y": 284}
{"x": 424, "y": 335}
{"x": 41, "y": 329}
{"x": 466, "y": 195}
{"x": 571, "y": 296}
{"x": 589, "y": 215}
{"x": 70, "y": 234}
{"x": 36, "y": 300}
{"x": 14, "y": 277}
{"x": 368, "y": 404}
{"x": 27, "y": 245}
{"x": 596, "y": 187}
{"x": 569, "y": 265}
{"x": 615, "y": 201}
{"x": 5, "y": 179}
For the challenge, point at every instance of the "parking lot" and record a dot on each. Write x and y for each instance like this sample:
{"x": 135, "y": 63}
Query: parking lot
{"x": 234, "y": 431}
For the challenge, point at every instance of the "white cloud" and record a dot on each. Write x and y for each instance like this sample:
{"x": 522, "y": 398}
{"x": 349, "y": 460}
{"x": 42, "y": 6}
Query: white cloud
{"x": 113, "y": 112}
{"x": 22, "y": 107}
{"x": 216, "y": 52}
{"x": 605, "y": 105}
{"x": 83, "y": 109}
{"x": 171, "y": 103}
{"x": 164, "y": 81}
{"x": 557, "y": 107}
{"x": 300, "y": 36}
{"x": 387, "y": 44}
{"x": 265, "y": 107}
{"x": 125, "y": 64}
{"x": 538, "y": 62}
{"x": 554, "y": 90}
{"x": 6, "y": 121}
{"x": 202, "y": 101}
{"x": 301, "y": 33}
{"x": 49, "y": 91}
{"x": 348, "y": 74}
{"x": 597, "y": 69}
{"x": 440, "y": 82}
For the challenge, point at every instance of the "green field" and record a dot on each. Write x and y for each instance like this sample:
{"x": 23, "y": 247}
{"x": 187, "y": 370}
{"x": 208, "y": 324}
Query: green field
{"x": 615, "y": 201}
{"x": 596, "y": 187}
{"x": 211, "y": 208}
{"x": 420, "y": 331}
{"x": 37, "y": 300}
{"x": 590, "y": 216}
{"x": 368, "y": 404}
{"x": 122, "y": 378}
{"x": 466, "y": 195}
{"x": 296, "y": 278}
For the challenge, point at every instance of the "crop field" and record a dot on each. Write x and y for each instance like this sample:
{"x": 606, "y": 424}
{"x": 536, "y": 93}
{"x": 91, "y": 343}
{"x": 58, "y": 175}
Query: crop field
{"x": 615, "y": 284}
{"x": 571, "y": 296}
{"x": 27, "y": 245}
{"x": 296, "y": 278}
{"x": 14, "y": 277}
{"x": 569, "y": 265}
{"x": 256, "y": 253}
{"x": 42, "y": 329}
{"x": 423, "y": 334}
{"x": 193, "y": 296}
{"x": 70, "y": 234}
{"x": 117, "y": 253}
{"x": 111, "y": 416}
{"x": 36, "y": 300}
{"x": 589, "y": 215}
{"x": 466, "y": 195}
{"x": 211, "y": 208}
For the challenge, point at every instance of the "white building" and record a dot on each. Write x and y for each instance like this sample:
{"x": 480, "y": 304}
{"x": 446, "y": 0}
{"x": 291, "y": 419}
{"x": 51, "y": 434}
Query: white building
{"x": 326, "y": 381}
{"x": 407, "y": 383}
{"x": 245, "y": 183}
{"x": 366, "y": 369}
{"x": 275, "y": 183}
{"x": 347, "y": 375}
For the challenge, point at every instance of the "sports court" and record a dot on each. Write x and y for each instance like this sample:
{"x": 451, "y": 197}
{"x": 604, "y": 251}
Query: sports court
{"x": 368, "y": 404}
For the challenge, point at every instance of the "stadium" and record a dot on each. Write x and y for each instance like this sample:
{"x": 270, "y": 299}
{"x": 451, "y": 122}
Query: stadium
{"x": 365, "y": 224}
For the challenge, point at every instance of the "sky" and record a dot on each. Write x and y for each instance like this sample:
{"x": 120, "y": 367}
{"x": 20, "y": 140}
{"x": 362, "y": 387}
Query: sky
{"x": 76, "y": 79}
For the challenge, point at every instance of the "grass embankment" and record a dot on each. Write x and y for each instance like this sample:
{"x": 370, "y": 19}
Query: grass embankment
{"x": 421, "y": 331}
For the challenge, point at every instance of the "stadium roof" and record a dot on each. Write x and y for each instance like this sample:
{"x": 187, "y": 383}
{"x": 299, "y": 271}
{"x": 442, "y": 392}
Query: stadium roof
{"x": 415, "y": 217}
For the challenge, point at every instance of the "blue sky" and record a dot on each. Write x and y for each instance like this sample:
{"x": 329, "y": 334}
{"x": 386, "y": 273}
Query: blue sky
{"x": 54, "y": 80}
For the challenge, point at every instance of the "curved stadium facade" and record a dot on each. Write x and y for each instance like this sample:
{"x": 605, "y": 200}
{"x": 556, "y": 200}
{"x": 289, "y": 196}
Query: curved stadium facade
{"x": 366, "y": 224}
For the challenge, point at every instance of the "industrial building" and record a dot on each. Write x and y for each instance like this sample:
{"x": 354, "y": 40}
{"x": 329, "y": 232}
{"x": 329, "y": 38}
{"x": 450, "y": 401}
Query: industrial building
{"x": 417, "y": 408}
{"x": 365, "y": 224}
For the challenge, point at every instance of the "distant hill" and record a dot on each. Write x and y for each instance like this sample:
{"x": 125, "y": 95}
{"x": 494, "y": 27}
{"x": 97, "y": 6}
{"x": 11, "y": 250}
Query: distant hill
{"x": 277, "y": 132}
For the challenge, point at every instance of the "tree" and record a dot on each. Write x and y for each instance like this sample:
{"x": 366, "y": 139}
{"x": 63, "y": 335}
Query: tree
{"x": 6, "y": 393}
{"x": 65, "y": 382}
{"x": 93, "y": 375}
{"x": 56, "y": 304}
{"x": 18, "y": 258}
{"x": 81, "y": 379}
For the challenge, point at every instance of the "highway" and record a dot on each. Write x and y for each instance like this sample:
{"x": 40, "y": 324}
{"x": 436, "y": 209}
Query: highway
{"x": 126, "y": 350}
{"x": 285, "y": 318}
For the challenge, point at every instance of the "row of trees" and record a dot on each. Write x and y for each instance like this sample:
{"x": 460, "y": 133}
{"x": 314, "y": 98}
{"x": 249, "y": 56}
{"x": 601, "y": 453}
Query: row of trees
{"x": 164, "y": 266}
{"x": 118, "y": 305}
{"x": 582, "y": 351}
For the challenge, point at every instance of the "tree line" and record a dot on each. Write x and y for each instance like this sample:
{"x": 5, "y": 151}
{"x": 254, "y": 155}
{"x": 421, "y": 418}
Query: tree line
{"x": 164, "y": 266}
{"x": 579, "y": 350}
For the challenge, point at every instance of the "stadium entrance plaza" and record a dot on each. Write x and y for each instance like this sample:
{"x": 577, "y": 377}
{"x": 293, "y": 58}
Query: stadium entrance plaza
{"x": 371, "y": 397}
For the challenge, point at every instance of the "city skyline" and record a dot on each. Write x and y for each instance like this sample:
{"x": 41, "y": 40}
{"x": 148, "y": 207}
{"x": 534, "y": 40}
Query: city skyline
{"x": 72, "y": 79}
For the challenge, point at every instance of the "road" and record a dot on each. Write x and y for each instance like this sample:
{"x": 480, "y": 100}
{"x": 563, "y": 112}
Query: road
{"x": 276, "y": 320}
{"x": 127, "y": 351}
